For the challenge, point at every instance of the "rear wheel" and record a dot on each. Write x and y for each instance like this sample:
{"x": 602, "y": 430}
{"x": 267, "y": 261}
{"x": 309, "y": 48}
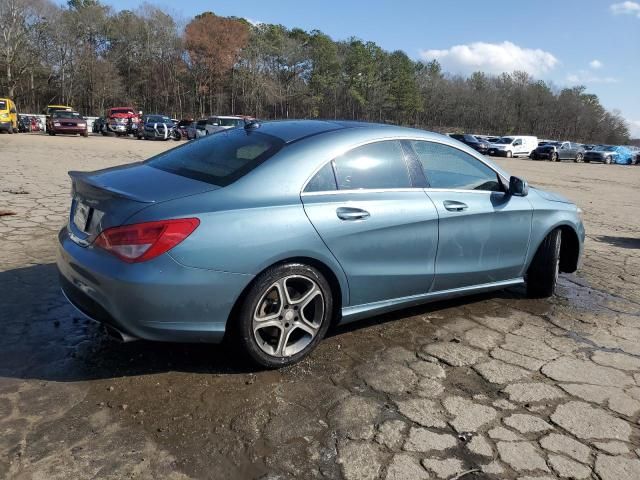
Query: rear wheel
{"x": 579, "y": 158}
{"x": 554, "y": 157}
{"x": 542, "y": 276}
{"x": 285, "y": 314}
{"x": 607, "y": 160}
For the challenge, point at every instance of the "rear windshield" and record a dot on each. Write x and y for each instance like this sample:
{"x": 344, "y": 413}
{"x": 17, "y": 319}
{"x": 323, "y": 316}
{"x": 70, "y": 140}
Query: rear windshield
{"x": 220, "y": 159}
{"x": 3, "y": 105}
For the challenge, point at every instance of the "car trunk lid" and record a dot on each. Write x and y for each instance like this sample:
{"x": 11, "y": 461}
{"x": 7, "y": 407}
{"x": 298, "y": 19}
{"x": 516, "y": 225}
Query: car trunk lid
{"x": 109, "y": 197}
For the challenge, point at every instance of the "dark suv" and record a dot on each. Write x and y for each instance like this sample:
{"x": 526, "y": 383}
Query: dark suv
{"x": 478, "y": 145}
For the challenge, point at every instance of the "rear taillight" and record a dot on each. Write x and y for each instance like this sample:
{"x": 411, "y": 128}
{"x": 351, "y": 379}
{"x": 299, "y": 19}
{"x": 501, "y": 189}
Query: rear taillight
{"x": 143, "y": 241}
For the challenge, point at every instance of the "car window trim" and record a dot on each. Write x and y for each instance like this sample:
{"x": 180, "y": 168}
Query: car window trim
{"x": 503, "y": 180}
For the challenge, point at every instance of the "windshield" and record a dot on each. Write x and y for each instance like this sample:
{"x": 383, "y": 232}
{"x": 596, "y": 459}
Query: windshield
{"x": 220, "y": 159}
{"x": 158, "y": 119}
{"x": 505, "y": 140}
{"x": 230, "y": 122}
{"x": 3, "y": 104}
{"x": 610, "y": 149}
{"x": 66, "y": 115}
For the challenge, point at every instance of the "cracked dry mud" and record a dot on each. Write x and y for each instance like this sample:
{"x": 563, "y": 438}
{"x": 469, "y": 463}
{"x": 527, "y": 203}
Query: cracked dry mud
{"x": 500, "y": 385}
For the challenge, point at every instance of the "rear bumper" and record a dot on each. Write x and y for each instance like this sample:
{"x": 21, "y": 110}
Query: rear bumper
{"x": 159, "y": 300}
{"x": 541, "y": 155}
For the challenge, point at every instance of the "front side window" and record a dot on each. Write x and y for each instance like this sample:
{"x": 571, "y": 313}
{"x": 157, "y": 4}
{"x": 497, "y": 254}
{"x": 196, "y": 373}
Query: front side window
{"x": 220, "y": 159}
{"x": 450, "y": 168}
{"x": 373, "y": 166}
{"x": 3, "y": 105}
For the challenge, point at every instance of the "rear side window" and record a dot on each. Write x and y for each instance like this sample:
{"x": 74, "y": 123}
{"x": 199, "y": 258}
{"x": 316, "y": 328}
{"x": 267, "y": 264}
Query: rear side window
{"x": 448, "y": 167}
{"x": 376, "y": 165}
{"x": 323, "y": 181}
{"x": 220, "y": 159}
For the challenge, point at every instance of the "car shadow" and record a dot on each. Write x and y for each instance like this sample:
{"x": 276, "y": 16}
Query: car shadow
{"x": 43, "y": 337}
{"x": 622, "y": 242}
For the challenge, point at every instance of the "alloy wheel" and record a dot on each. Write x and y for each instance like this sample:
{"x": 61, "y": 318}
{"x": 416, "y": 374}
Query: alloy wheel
{"x": 288, "y": 316}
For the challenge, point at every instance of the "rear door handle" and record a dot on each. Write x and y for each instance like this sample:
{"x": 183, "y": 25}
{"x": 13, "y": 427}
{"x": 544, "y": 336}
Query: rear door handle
{"x": 454, "y": 206}
{"x": 349, "y": 213}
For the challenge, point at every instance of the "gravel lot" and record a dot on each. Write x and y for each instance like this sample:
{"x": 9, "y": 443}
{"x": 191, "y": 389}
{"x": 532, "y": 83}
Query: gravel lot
{"x": 499, "y": 385}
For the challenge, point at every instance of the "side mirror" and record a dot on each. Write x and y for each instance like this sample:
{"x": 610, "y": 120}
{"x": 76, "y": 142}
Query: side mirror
{"x": 518, "y": 187}
{"x": 13, "y": 110}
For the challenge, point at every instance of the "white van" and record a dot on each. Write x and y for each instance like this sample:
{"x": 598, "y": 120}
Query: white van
{"x": 514, "y": 146}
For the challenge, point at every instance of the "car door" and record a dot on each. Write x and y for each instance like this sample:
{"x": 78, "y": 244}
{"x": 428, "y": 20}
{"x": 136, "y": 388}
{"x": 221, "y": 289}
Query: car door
{"x": 517, "y": 147}
{"x": 382, "y": 230}
{"x": 564, "y": 153}
{"x": 483, "y": 231}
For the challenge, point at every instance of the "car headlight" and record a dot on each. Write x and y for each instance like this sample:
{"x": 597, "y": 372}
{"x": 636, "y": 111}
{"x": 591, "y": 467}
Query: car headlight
{"x": 4, "y": 115}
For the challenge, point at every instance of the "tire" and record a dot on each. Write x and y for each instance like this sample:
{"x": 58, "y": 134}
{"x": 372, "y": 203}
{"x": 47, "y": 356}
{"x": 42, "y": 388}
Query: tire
{"x": 85, "y": 134}
{"x": 268, "y": 347}
{"x": 509, "y": 154}
{"x": 607, "y": 160}
{"x": 15, "y": 130}
{"x": 579, "y": 158}
{"x": 10, "y": 131}
{"x": 554, "y": 157}
{"x": 542, "y": 276}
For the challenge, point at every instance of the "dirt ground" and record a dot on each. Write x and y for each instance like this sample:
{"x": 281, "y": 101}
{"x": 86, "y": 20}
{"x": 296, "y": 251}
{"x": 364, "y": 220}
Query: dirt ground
{"x": 499, "y": 386}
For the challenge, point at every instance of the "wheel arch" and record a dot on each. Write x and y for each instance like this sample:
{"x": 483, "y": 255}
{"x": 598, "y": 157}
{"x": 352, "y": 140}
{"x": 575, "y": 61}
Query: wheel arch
{"x": 570, "y": 248}
{"x": 332, "y": 278}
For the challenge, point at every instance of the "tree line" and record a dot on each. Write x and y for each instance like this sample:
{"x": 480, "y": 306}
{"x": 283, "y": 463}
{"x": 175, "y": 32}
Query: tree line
{"x": 91, "y": 57}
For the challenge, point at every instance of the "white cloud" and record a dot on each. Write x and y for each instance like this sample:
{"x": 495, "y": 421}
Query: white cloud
{"x": 584, "y": 77}
{"x": 626, "y": 8}
{"x": 596, "y": 64}
{"x": 492, "y": 58}
{"x": 634, "y": 128}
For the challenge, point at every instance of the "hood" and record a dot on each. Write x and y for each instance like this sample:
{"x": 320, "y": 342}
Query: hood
{"x": 67, "y": 121}
{"x": 551, "y": 196}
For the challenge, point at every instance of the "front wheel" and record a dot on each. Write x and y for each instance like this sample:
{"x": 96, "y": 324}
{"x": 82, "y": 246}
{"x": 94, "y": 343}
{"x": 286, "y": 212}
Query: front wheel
{"x": 607, "y": 160}
{"x": 554, "y": 157}
{"x": 542, "y": 276}
{"x": 509, "y": 154}
{"x": 579, "y": 158}
{"x": 285, "y": 314}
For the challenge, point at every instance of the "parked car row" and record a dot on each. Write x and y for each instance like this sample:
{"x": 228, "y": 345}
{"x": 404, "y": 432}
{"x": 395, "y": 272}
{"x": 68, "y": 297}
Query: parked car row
{"x": 555, "y": 151}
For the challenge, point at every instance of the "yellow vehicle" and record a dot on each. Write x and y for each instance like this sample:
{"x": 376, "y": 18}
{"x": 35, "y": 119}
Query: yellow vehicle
{"x": 54, "y": 108}
{"x": 8, "y": 116}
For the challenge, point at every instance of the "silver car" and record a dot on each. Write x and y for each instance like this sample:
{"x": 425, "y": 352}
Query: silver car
{"x": 276, "y": 231}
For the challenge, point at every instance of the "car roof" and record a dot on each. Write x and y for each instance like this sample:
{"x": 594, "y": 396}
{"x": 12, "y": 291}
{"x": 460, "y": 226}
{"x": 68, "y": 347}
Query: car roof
{"x": 293, "y": 130}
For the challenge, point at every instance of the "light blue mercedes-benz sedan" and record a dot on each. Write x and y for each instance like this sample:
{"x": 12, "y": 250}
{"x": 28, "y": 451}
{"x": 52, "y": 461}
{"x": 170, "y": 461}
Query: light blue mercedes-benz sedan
{"x": 277, "y": 230}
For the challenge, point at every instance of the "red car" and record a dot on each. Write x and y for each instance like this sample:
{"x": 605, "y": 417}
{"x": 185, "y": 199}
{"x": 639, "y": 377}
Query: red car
{"x": 118, "y": 120}
{"x": 70, "y": 123}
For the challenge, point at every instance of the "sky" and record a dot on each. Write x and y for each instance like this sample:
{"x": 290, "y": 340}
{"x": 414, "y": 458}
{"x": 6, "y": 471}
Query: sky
{"x": 595, "y": 43}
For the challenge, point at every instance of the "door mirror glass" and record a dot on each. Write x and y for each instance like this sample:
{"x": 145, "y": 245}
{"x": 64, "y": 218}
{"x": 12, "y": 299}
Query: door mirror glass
{"x": 518, "y": 187}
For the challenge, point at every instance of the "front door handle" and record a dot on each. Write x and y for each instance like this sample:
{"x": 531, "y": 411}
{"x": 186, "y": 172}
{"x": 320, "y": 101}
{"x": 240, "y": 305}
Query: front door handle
{"x": 349, "y": 213}
{"x": 454, "y": 206}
